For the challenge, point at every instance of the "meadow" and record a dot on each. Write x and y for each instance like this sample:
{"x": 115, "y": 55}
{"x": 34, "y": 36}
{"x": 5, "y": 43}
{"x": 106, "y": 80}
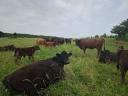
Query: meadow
{"x": 85, "y": 76}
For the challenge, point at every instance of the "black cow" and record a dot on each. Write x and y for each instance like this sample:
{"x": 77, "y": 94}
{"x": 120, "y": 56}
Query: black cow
{"x": 7, "y": 48}
{"x": 106, "y": 56}
{"x": 58, "y": 41}
{"x": 37, "y": 75}
{"x": 68, "y": 41}
{"x": 22, "y": 52}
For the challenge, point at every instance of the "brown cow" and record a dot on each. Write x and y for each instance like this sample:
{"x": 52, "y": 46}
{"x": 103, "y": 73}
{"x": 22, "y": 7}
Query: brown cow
{"x": 49, "y": 44}
{"x": 91, "y": 43}
{"x": 37, "y": 75}
{"x": 40, "y": 41}
{"x": 22, "y": 52}
{"x": 122, "y": 63}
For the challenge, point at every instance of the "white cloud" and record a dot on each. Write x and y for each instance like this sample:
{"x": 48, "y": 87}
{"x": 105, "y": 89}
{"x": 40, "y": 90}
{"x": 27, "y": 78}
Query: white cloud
{"x": 123, "y": 6}
{"x": 69, "y": 18}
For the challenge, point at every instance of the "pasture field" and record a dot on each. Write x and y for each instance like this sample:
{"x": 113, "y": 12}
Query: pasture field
{"x": 85, "y": 76}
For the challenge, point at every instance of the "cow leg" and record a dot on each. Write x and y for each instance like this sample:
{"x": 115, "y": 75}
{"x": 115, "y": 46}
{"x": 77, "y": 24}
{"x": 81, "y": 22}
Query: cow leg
{"x": 117, "y": 66}
{"x": 29, "y": 57}
{"x": 29, "y": 88}
{"x": 84, "y": 50}
{"x": 123, "y": 73}
{"x": 32, "y": 58}
{"x": 17, "y": 59}
{"x": 98, "y": 52}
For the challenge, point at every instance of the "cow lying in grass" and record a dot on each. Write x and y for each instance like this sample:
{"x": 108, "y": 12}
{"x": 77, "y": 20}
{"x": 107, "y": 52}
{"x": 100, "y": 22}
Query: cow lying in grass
{"x": 37, "y": 75}
{"x": 22, "y": 52}
{"x": 7, "y": 48}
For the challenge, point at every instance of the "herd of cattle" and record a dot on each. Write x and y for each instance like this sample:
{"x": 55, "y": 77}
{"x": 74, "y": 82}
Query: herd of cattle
{"x": 41, "y": 74}
{"x": 53, "y": 42}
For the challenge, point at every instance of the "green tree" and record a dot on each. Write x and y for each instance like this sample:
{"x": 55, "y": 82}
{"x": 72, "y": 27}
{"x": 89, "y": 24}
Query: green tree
{"x": 121, "y": 30}
{"x": 15, "y": 35}
{"x": 1, "y": 34}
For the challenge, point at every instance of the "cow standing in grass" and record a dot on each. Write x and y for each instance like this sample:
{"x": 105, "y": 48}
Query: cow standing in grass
{"x": 40, "y": 41}
{"x": 37, "y": 75}
{"x": 68, "y": 41}
{"x": 23, "y": 52}
{"x": 122, "y": 63}
{"x": 7, "y": 48}
{"x": 58, "y": 41}
{"x": 91, "y": 43}
{"x": 49, "y": 44}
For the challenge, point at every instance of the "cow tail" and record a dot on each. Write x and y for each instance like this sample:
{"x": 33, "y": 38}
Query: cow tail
{"x": 15, "y": 51}
{"x": 117, "y": 66}
{"x": 104, "y": 43}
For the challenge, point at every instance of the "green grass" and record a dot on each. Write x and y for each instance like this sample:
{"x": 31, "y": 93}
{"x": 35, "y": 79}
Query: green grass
{"x": 85, "y": 76}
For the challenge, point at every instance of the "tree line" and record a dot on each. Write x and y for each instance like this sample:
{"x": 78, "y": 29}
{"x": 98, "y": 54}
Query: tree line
{"x": 17, "y": 35}
{"x": 20, "y": 35}
{"x": 121, "y": 30}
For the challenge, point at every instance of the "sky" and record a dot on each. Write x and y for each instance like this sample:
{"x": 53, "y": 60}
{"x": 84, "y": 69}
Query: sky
{"x": 63, "y": 18}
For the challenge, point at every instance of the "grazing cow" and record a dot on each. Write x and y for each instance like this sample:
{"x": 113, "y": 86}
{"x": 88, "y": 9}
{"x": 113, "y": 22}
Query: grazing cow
{"x": 7, "y": 48}
{"x": 37, "y": 75}
{"x": 22, "y": 52}
{"x": 58, "y": 41}
{"x": 122, "y": 63}
{"x": 49, "y": 44}
{"x": 40, "y": 41}
{"x": 91, "y": 43}
{"x": 68, "y": 41}
{"x": 106, "y": 56}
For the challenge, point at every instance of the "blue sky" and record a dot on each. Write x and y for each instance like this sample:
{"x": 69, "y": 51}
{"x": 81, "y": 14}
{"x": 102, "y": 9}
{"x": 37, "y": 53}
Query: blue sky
{"x": 65, "y": 18}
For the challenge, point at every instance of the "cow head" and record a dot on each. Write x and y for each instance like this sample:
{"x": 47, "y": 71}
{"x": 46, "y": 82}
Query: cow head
{"x": 104, "y": 56}
{"x": 121, "y": 48}
{"x": 37, "y": 47}
{"x": 12, "y": 47}
{"x": 63, "y": 57}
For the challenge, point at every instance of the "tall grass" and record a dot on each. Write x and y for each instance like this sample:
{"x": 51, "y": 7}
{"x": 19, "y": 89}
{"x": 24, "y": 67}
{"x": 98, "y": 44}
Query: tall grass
{"x": 85, "y": 76}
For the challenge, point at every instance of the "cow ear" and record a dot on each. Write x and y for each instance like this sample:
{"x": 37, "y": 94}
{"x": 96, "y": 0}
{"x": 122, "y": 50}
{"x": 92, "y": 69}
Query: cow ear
{"x": 57, "y": 54}
{"x": 69, "y": 54}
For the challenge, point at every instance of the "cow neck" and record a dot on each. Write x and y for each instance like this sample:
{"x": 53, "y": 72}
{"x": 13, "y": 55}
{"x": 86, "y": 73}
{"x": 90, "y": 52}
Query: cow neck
{"x": 58, "y": 61}
{"x": 33, "y": 49}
